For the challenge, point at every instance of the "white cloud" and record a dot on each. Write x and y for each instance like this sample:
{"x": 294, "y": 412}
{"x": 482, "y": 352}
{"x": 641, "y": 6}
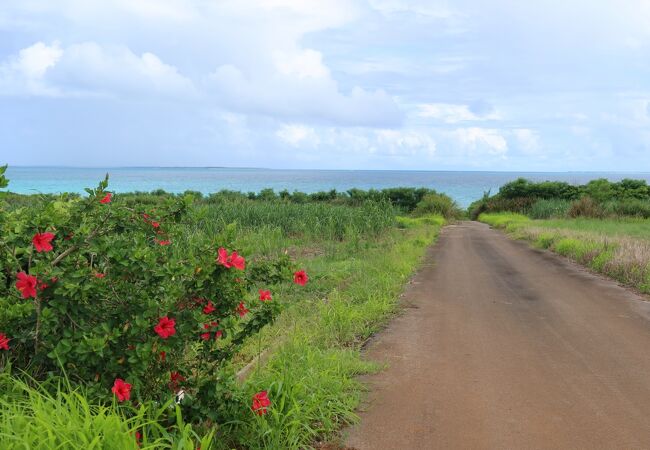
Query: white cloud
{"x": 298, "y": 135}
{"x": 477, "y": 140}
{"x": 527, "y": 140}
{"x": 89, "y": 68}
{"x": 453, "y": 113}
{"x": 23, "y": 73}
{"x": 316, "y": 97}
{"x": 405, "y": 142}
{"x": 429, "y": 9}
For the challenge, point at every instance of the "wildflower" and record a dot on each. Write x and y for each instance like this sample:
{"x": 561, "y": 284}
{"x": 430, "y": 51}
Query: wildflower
{"x": 265, "y": 296}
{"x": 163, "y": 356}
{"x": 209, "y": 308}
{"x": 155, "y": 224}
{"x": 163, "y": 242}
{"x": 205, "y": 336}
{"x": 100, "y": 275}
{"x": 241, "y": 309}
{"x": 26, "y": 284}
{"x": 43, "y": 242}
{"x": 166, "y": 327}
{"x": 121, "y": 389}
{"x": 232, "y": 260}
{"x": 260, "y": 403}
{"x": 4, "y": 342}
{"x": 300, "y": 278}
{"x": 106, "y": 199}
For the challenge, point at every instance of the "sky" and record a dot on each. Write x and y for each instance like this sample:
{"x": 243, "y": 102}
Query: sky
{"x": 549, "y": 85}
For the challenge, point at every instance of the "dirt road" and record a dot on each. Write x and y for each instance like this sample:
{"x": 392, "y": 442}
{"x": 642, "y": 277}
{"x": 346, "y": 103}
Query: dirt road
{"x": 506, "y": 347}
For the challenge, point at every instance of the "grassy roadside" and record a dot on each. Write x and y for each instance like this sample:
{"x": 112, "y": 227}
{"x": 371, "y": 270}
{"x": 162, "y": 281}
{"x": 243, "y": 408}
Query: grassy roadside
{"x": 616, "y": 248}
{"x": 316, "y": 343}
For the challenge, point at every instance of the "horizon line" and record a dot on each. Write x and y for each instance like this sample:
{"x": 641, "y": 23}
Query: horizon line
{"x": 321, "y": 170}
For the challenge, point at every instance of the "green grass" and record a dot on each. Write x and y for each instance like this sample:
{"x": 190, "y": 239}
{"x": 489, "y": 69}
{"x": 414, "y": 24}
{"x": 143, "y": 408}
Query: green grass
{"x": 637, "y": 228}
{"x": 617, "y": 248}
{"x": 316, "y": 344}
{"x": 358, "y": 259}
{"x": 55, "y": 416}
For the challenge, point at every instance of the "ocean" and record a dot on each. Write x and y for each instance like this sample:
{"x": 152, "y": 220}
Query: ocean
{"x": 464, "y": 187}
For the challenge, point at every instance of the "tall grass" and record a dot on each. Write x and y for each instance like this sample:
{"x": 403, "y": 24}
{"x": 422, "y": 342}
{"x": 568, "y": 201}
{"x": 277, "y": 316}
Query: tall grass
{"x": 548, "y": 209}
{"x": 315, "y": 345}
{"x": 55, "y": 416}
{"x": 309, "y": 220}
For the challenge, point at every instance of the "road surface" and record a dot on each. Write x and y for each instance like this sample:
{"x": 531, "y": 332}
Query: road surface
{"x": 505, "y": 347}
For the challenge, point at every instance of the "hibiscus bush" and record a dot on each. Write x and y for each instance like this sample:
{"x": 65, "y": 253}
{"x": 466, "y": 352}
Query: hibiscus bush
{"x": 94, "y": 289}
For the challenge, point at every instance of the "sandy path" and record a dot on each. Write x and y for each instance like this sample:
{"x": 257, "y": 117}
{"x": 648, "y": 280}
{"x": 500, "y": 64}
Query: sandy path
{"x": 505, "y": 347}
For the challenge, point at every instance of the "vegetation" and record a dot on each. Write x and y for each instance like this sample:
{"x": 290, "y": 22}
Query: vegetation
{"x": 617, "y": 248}
{"x": 133, "y": 312}
{"x": 552, "y": 199}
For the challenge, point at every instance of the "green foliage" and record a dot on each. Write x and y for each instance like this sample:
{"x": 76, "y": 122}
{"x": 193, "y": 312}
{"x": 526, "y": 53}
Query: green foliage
{"x": 549, "y": 208}
{"x": 54, "y": 415}
{"x": 112, "y": 275}
{"x": 550, "y": 199}
{"x": 585, "y": 207}
{"x": 4, "y": 182}
{"x": 440, "y": 204}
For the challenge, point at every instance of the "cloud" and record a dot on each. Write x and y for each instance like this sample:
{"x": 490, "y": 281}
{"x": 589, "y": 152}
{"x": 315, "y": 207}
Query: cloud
{"x": 454, "y": 113}
{"x": 527, "y": 140}
{"x": 477, "y": 140}
{"x": 405, "y": 142}
{"x": 302, "y": 89}
{"x": 90, "y": 69}
{"x": 298, "y": 135}
{"x": 24, "y": 72}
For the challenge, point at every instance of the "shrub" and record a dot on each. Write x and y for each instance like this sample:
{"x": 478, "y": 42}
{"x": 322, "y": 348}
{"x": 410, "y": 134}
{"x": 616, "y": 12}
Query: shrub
{"x": 95, "y": 288}
{"x": 435, "y": 203}
{"x": 586, "y": 207}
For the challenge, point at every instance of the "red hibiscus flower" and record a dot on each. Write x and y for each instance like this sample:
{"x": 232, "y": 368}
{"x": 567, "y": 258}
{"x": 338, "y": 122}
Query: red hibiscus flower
{"x": 100, "y": 275}
{"x": 209, "y": 308}
{"x": 43, "y": 242}
{"x": 241, "y": 309}
{"x": 175, "y": 379}
{"x": 265, "y": 296}
{"x": 4, "y": 342}
{"x": 205, "y": 336}
{"x": 300, "y": 278}
{"x": 218, "y": 334}
{"x": 26, "y": 284}
{"x": 163, "y": 242}
{"x": 260, "y": 403}
{"x": 121, "y": 389}
{"x": 166, "y": 327}
{"x": 232, "y": 260}
{"x": 106, "y": 199}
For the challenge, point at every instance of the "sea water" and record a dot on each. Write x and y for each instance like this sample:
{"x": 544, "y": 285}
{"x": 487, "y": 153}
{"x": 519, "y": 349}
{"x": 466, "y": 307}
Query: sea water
{"x": 464, "y": 187}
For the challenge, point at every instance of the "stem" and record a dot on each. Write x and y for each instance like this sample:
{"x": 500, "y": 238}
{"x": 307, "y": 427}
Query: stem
{"x": 37, "y": 304}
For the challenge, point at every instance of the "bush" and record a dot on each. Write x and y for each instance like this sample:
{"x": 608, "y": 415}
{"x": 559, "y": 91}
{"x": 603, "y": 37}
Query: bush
{"x": 586, "y": 207}
{"x": 96, "y": 289}
{"x": 435, "y": 203}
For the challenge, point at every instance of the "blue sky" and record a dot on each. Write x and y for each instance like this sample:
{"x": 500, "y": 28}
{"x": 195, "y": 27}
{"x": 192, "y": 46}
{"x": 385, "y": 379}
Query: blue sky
{"x": 375, "y": 84}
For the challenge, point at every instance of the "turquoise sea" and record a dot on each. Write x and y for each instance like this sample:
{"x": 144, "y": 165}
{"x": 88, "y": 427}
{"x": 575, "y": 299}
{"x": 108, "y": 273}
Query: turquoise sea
{"x": 464, "y": 187}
